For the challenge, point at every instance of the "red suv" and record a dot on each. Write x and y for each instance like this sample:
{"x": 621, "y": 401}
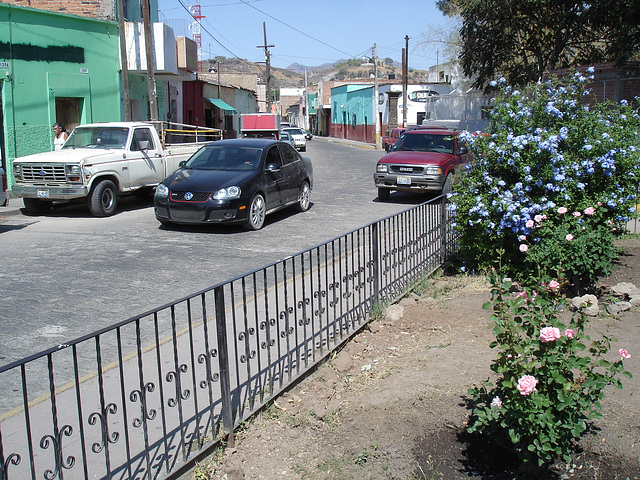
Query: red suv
{"x": 423, "y": 160}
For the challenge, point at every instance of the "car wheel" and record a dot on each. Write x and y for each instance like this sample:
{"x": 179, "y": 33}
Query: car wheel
{"x": 35, "y": 206}
{"x": 304, "y": 198}
{"x": 447, "y": 187}
{"x": 257, "y": 212}
{"x": 103, "y": 199}
{"x": 383, "y": 194}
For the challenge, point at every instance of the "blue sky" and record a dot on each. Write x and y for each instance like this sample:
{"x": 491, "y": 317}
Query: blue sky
{"x": 311, "y": 32}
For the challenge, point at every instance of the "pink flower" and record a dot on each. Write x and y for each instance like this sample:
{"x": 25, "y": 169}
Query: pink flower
{"x": 523, "y": 248}
{"x": 529, "y": 224}
{"x": 562, "y": 210}
{"x": 553, "y": 285}
{"x": 569, "y": 333}
{"x": 539, "y": 218}
{"x": 623, "y": 353}
{"x": 577, "y": 214}
{"x": 549, "y": 334}
{"x": 569, "y": 237}
{"x": 599, "y": 204}
{"x": 589, "y": 211}
{"x": 522, "y": 238}
{"x": 496, "y": 402}
{"x": 527, "y": 385}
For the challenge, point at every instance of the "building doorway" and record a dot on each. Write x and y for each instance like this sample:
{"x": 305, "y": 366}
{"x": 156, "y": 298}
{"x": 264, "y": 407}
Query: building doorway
{"x": 69, "y": 112}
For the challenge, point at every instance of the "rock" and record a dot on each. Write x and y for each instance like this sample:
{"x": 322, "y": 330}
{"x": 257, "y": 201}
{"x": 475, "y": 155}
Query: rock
{"x": 618, "y": 307}
{"x": 587, "y": 302}
{"x": 342, "y": 363}
{"x": 624, "y": 289}
{"x": 412, "y": 299}
{"x": 441, "y": 285}
{"x": 393, "y": 313}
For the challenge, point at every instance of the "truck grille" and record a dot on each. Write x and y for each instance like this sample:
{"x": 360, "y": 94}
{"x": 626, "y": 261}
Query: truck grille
{"x": 406, "y": 169}
{"x": 43, "y": 173}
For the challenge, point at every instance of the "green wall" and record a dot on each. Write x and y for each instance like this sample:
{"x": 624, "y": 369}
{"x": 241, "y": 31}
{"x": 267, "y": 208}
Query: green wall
{"x": 45, "y": 55}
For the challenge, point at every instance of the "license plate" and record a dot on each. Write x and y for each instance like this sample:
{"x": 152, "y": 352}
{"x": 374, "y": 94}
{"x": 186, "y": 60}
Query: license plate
{"x": 42, "y": 193}
{"x": 403, "y": 180}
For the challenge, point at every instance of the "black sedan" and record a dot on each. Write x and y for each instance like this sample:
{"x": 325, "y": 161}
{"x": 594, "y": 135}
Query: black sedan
{"x": 235, "y": 181}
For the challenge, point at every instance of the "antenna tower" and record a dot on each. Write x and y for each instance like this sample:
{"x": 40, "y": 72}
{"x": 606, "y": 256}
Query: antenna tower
{"x": 195, "y": 30}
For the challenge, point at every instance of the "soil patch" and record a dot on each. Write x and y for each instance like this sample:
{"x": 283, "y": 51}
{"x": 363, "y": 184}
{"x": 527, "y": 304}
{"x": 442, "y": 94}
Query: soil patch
{"x": 393, "y": 403}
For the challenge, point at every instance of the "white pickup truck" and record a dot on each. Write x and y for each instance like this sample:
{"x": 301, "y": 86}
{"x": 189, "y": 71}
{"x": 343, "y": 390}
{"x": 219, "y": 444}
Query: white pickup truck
{"x": 97, "y": 162}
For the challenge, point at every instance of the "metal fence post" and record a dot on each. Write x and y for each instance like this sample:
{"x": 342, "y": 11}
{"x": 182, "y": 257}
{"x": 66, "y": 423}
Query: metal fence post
{"x": 443, "y": 229}
{"x": 223, "y": 360}
{"x": 375, "y": 262}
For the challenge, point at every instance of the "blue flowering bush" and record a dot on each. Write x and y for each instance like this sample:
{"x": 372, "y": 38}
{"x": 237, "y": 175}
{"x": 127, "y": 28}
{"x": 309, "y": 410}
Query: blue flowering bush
{"x": 553, "y": 183}
{"x": 550, "y": 375}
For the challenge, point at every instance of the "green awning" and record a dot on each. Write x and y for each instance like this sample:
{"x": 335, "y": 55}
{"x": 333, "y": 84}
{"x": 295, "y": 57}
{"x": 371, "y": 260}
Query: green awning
{"x": 222, "y": 105}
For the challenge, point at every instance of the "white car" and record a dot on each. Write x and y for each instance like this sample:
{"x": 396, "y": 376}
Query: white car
{"x": 299, "y": 138}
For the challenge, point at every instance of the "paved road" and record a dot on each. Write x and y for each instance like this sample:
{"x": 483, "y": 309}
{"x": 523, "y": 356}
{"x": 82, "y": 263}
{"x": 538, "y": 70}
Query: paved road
{"x": 68, "y": 274}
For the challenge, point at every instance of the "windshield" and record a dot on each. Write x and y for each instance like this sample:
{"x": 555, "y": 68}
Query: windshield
{"x": 294, "y": 131}
{"x": 225, "y": 157}
{"x": 426, "y": 142}
{"x": 98, "y": 137}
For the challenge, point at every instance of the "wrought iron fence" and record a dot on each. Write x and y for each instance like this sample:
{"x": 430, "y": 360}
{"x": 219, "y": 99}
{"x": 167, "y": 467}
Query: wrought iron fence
{"x": 145, "y": 397}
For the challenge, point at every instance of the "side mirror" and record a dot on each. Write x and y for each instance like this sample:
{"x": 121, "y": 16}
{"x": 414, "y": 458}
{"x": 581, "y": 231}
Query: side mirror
{"x": 143, "y": 145}
{"x": 182, "y": 163}
{"x": 463, "y": 151}
{"x": 272, "y": 167}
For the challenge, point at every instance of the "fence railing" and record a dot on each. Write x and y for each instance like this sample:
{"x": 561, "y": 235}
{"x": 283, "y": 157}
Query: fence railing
{"x": 143, "y": 398}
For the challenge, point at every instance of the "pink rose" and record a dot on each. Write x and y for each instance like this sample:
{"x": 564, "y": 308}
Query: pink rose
{"x": 539, "y": 218}
{"x": 549, "y": 334}
{"x": 527, "y": 385}
{"x": 577, "y": 214}
{"x": 496, "y": 402}
{"x": 562, "y": 210}
{"x": 589, "y": 211}
{"x": 523, "y": 248}
{"x": 569, "y": 333}
{"x": 569, "y": 237}
{"x": 529, "y": 224}
{"x": 599, "y": 204}
{"x": 623, "y": 353}
{"x": 553, "y": 285}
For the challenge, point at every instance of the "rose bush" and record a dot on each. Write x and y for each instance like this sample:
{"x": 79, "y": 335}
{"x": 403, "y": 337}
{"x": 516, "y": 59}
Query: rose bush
{"x": 553, "y": 182}
{"x": 548, "y": 385}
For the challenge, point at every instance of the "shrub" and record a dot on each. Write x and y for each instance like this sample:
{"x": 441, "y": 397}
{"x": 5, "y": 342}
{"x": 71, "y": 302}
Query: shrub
{"x": 546, "y": 153}
{"x": 546, "y": 390}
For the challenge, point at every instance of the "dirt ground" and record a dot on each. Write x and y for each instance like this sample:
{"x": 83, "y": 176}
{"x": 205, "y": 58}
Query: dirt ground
{"x": 393, "y": 403}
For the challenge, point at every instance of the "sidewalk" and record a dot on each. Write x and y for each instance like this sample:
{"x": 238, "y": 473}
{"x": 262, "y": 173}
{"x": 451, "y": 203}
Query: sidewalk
{"x": 14, "y": 207}
{"x": 354, "y": 143}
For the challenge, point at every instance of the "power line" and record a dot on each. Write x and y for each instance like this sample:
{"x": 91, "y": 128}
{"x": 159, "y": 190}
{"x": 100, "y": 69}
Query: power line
{"x": 297, "y": 30}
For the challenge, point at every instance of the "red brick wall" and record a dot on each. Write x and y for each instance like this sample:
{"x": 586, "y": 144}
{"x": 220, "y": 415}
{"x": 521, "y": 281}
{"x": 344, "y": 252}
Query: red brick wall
{"x": 85, "y": 8}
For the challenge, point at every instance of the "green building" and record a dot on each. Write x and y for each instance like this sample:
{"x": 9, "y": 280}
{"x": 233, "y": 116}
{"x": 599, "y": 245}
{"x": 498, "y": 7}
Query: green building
{"x": 53, "y": 68}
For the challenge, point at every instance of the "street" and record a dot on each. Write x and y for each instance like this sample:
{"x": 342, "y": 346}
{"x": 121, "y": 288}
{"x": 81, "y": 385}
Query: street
{"x": 68, "y": 274}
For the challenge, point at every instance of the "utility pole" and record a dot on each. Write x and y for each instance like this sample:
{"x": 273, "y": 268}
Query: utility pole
{"x": 376, "y": 93}
{"x": 124, "y": 61}
{"x": 306, "y": 101}
{"x": 267, "y": 57}
{"x": 405, "y": 80}
{"x": 148, "y": 43}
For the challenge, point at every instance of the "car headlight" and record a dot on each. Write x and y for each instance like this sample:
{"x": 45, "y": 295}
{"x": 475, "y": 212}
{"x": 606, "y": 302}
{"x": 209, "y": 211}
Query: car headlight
{"x": 162, "y": 191}
{"x": 382, "y": 168}
{"x": 227, "y": 193}
{"x": 433, "y": 170}
{"x": 17, "y": 171}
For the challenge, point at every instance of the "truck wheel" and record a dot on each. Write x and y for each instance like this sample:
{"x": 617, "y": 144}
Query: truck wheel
{"x": 447, "y": 187}
{"x": 35, "y": 206}
{"x": 257, "y": 211}
{"x": 304, "y": 198}
{"x": 103, "y": 199}
{"x": 383, "y": 194}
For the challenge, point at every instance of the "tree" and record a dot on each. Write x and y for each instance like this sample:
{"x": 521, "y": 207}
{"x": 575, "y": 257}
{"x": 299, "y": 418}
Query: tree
{"x": 524, "y": 39}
